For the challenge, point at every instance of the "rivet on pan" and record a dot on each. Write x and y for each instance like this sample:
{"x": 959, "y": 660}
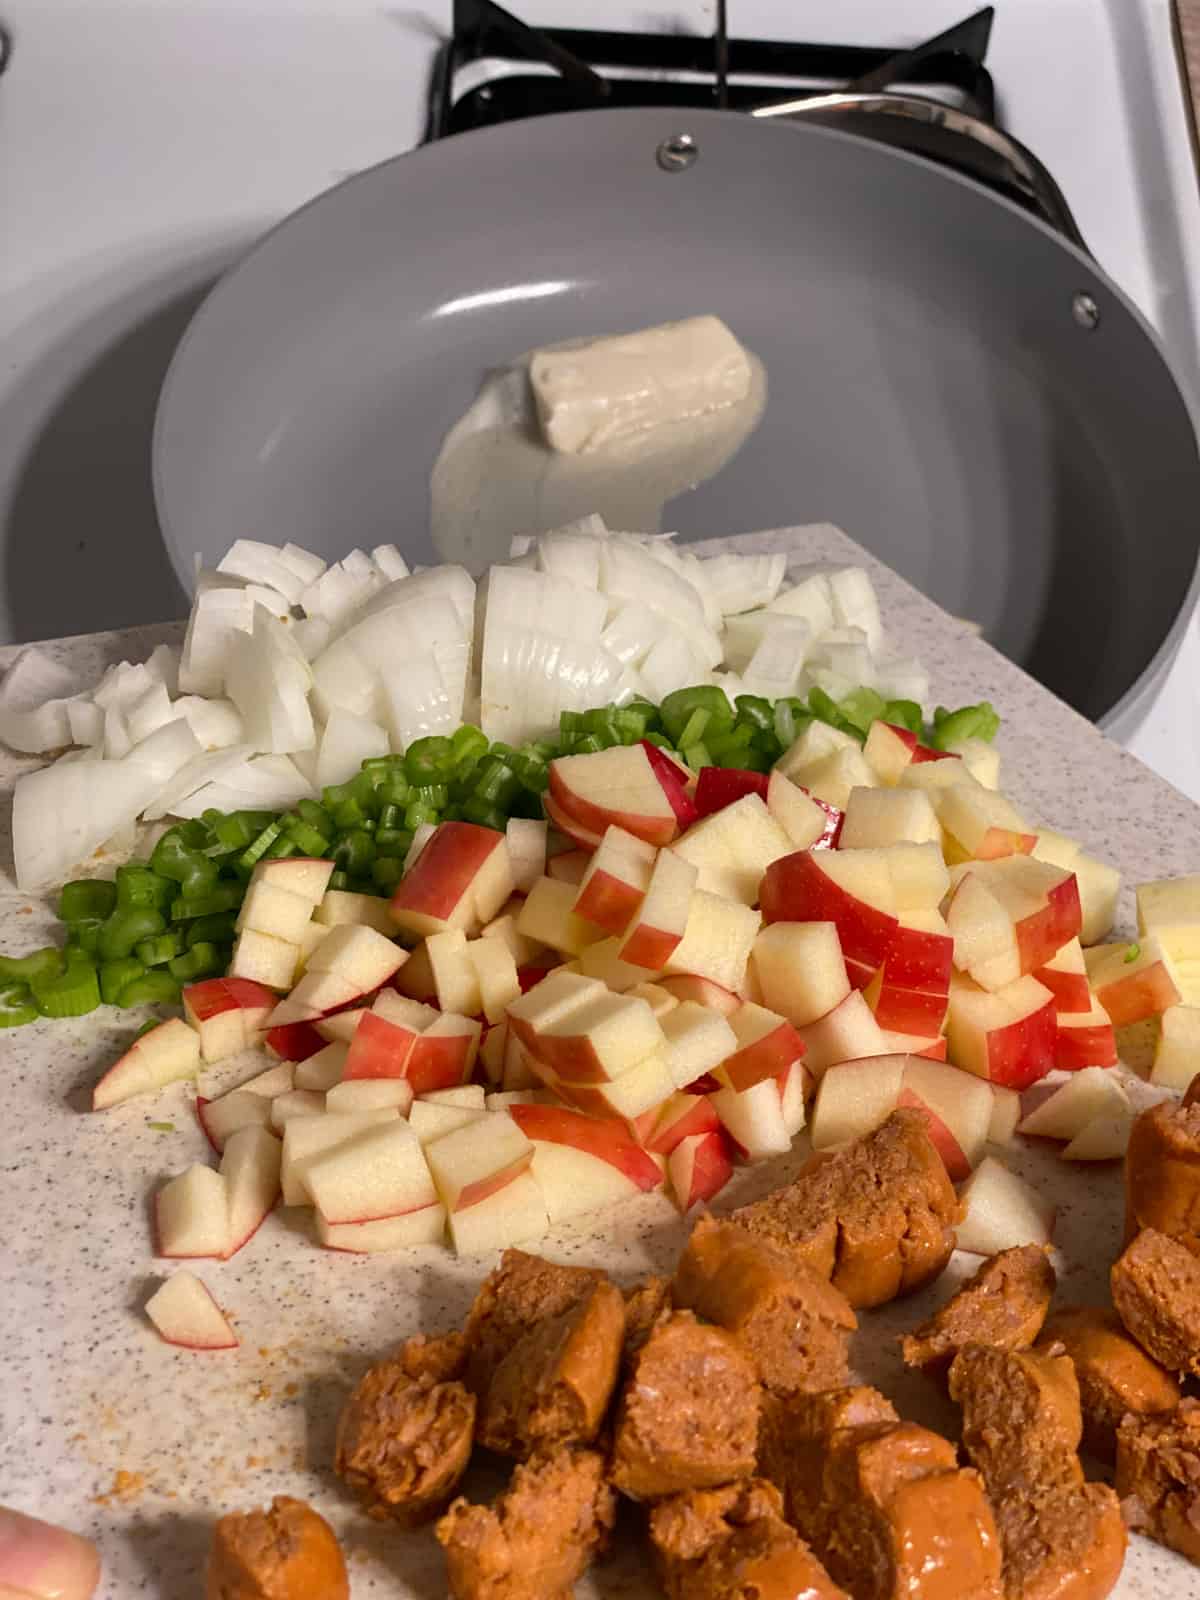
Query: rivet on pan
{"x": 1085, "y": 311}
{"x": 677, "y": 153}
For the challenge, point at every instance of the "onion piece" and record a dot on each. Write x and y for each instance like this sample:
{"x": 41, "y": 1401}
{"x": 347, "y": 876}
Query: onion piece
{"x": 307, "y": 566}
{"x": 150, "y": 711}
{"x": 216, "y": 723}
{"x": 62, "y": 814}
{"x": 262, "y": 563}
{"x": 86, "y": 721}
{"x": 416, "y": 701}
{"x": 740, "y": 583}
{"x": 34, "y": 697}
{"x": 346, "y": 742}
{"x": 207, "y": 767}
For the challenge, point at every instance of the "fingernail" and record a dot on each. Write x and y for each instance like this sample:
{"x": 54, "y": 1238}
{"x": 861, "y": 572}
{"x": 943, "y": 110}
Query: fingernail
{"x": 41, "y": 1562}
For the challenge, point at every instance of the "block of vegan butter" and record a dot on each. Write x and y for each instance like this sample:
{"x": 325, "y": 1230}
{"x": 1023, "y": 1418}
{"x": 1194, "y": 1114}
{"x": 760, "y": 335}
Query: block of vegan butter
{"x": 601, "y": 391}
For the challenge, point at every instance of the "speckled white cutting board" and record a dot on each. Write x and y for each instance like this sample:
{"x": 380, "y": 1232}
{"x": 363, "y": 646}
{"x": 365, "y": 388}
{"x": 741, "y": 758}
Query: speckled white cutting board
{"x": 138, "y": 1445}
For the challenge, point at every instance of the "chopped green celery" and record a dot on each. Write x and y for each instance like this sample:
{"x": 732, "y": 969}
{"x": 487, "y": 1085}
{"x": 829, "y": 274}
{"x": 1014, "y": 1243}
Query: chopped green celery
{"x": 156, "y": 988}
{"x": 86, "y": 900}
{"x": 85, "y": 936}
{"x": 386, "y": 872}
{"x": 364, "y": 790}
{"x": 348, "y": 813}
{"x": 161, "y": 1127}
{"x": 694, "y": 727}
{"x": 394, "y": 790}
{"x": 219, "y": 927}
{"x": 968, "y": 722}
{"x": 230, "y": 831}
{"x": 75, "y": 992}
{"x": 533, "y": 771}
{"x": 497, "y": 784}
{"x": 225, "y": 897}
{"x": 308, "y": 840}
{"x": 259, "y": 846}
{"x": 283, "y": 846}
{"x": 1132, "y": 953}
{"x": 393, "y": 841}
{"x": 587, "y": 744}
{"x": 659, "y": 739}
{"x": 201, "y": 961}
{"x": 127, "y": 927}
{"x": 904, "y": 714}
{"x": 470, "y": 744}
{"x": 17, "y": 1005}
{"x": 681, "y": 703}
{"x": 391, "y": 817}
{"x": 430, "y": 760}
{"x": 174, "y": 858}
{"x": 156, "y": 952}
{"x": 38, "y": 964}
{"x": 417, "y": 812}
{"x": 430, "y": 794}
{"x": 139, "y": 886}
{"x": 114, "y": 975}
{"x": 480, "y": 811}
{"x": 354, "y": 852}
{"x": 339, "y": 879}
{"x": 861, "y": 707}
{"x": 826, "y": 709}
{"x": 316, "y": 816}
{"x": 785, "y": 724}
{"x": 696, "y": 756}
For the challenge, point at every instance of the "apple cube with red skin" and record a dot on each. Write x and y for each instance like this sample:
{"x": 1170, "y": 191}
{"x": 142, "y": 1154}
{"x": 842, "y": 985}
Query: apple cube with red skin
{"x": 1002, "y": 1211}
{"x": 982, "y": 823}
{"x": 876, "y": 818}
{"x": 569, "y": 866}
{"x": 677, "y": 781}
{"x": 430, "y": 1122}
{"x": 753, "y": 1119}
{"x": 732, "y": 848}
{"x": 847, "y": 1033}
{"x": 585, "y": 840}
{"x": 477, "y": 1159}
{"x": 699, "y": 1167}
{"x": 658, "y": 922}
{"x": 304, "y": 1138}
{"x": 297, "y": 1103}
{"x": 548, "y": 917}
{"x": 920, "y": 1012}
{"x": 686, "y": 986}
{"x": 250, "y": 1167}
{"x": 795, "y": 1084}
{"x": 834, "y": 886}
{"x": 370, "y": 1094}
{"x": 807, "y": 823}
{"x": 1177, "y": 1051}
{"x": 321, "y": 1072}
{"x": 295, "y": 1041}
{"x": 315, "y": 996}
{"x": 717, "y": 940}
{"x": 718, "y": 787}
{"x": 217, "y": 1008}
{"x": 504, "y": 927}
{"x": 262, "y": 958}
{"x": 496, "y": 978}
{"x": 1068, "y": 1109}
{"x": 379, "y": 1048}
{"x": 526, "y": 838}
{"x": 833, "y": 778}
{"x": 427, "y": 1225}
{"x": 620, "y": 785}
{"x": 603, "y": 962}
{"x": 191, "y": 1214}
{"x": 614, "y": 880}
{"x": 659, "y": 1000}
{"x": 800, "y": 969}
{"x": 360, "y": 955}
{"x": 957, "y": 1108}
{"x": 380, "y": 1172}
{"x": 911, "y": 1044}
{"x": 340, "y": 905}
{"x": 223, "y": 1117}
{"x": 460, "y": 880}
{"x": 696, "y": 1041}
{"x": 267, "y": 908}
{"x": 1065, "y": 975}
{"x": 766, "y": 1045}
{"x": 1085, "y": 1039}
{"x": 642, "y": 1087}
{"x": 444, "y": 1054}
{"x": 1132, "y": 990}
{"x": 556, "y": 995}
{"x": 682, "y": 1116}
{"x": 338, "y": 1026}
{"x": 1011, "y": 916}
{"x": 1009, "y": 1036}
{"x": 306, "y": 876}
{"x": 455, "y": 979}
{"x": 889, "y": 750}
{"x": 599, "y": 1040}
{"x": 921, "y": 954}
{"x": 854, "y": 1097}
{"x": 160, "y": 1056}
{"x": 185, "y": 1314}
{"x": 512, "y": 1215}
{"x": 582, "y": 1164}
{"x": 1006, "y": 1113}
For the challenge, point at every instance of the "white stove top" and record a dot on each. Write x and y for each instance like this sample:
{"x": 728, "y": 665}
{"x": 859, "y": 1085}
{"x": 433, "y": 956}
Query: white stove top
{"x": 145, "y": 143}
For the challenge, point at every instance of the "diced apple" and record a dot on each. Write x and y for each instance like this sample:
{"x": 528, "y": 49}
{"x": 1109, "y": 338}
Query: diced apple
{"x": 982, "y": 823}
{"x": 504, "y": 927}
{"x": 981, "y": 759}
{"x": 444, "y": 1054}
{"x": 919, "y": 1012}
{"x": 380, "y": 1172}
{"x": 583, "y": 1163}
{"x": 427, "y": 1225}
{"x": 921, "y": 954}
{"x": 1085, "y": 1039}
{"x": 685, "y": 986}
{"x": 479, "y": 1158}
{"x": 850, "y": 888}
{"x": 614, "y": 880}
{"x": 555, "y": 997}
{"x": 682, "y": 1116}
{"x": 849, "y": 1032}
{"x": 306, "y": 876}
{"x": 569, "y": 866}
{"x": 918, "y": 875}
{"x": 1099, "y": 885}
{"x": 644, "y": 1085}
{"x": 212, "y": 1009}
{"x": 1065, "y": 975}
{"x": 879, "y": 817}
{"x": 314, "y": 997}
{"x": 185, "y": 1314}
{"x": 415, "y": 980}
{"x": 496, "y": 978}
{"x": 717, "y": 940}
{"x": 813, "y": 744}
{"x": 267, "y": 908}
{"x": 957, "y": 1107}
{"x": 191, "y": 1214}
{"x": 370, "y": 1094}
{"x": 854, "y": 1098}
{"x": 603, "y": 962}
{"x": 1086, "y": 1095}
{"x": 619, "y": 785}
{"x": 548, "y": 916}
{"x": 889, "y": 750}
{"x": 455, "y": 979}
{"x": 430, "y": 1121}
{"x": 766, "y": 1045}
{"x": 1011, "y": 916}
{"x": 160, "y": 1056}
{"x": 600, "y": 1039}
{"x": 834, "y": 777}
{"x": 1002, "y": 1211}
{"x": 505, "y": 1099}
{"x": 659, "y": 999}
{"x": 795, "y": 1086}
{"x": 584, "y": 839}
{"x": 264, "y": 959}
{"x": 306, "y": 1137}
{"x": 321, "y": 1072}
{"x": 492, "y": 1045}
{"x": 697, "y": 1040}
{"x": 515, "y": 1214}
{"x": 1106, "y": 1138}
{"x": 526, "y": 839}
{"x": 732, "y": 848}
{"x": 800, "y": 969}
{"x": 911, "y": 1044}
{"x": 463, "y": 1094}
{"x": 1009, "y": 1036}
{"x": 1177, "y": 1051}
{"x": 366, "y": 910}
{"x": 1136, "y": 982}
{"x": 1169, "y": 908}
{"x": 518, "y": 1067}
{"x": 659, "y": 920}
{"x": 250, "y": 1167}
{"x": 1006, "y": 1113}
{"x": 753, "y": 1119}
{"x": 460, "y": 880}
{"x": 801, "y": 817}
{"x": 295, "y": 1041}
{"x": 296, "y": 1103}
{"x": 313, "y": 935}
{"x": 223, "y": 1117}
{"x": 699, "y": 1167}
{"x": 360, "y": 955}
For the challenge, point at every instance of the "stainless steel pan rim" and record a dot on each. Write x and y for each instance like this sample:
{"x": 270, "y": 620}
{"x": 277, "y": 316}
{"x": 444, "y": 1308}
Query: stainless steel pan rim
{"x": 474, "y": 205}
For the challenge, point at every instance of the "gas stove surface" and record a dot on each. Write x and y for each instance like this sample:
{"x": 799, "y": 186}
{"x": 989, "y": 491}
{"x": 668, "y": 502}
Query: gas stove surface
{"x": 145, "y": 148}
